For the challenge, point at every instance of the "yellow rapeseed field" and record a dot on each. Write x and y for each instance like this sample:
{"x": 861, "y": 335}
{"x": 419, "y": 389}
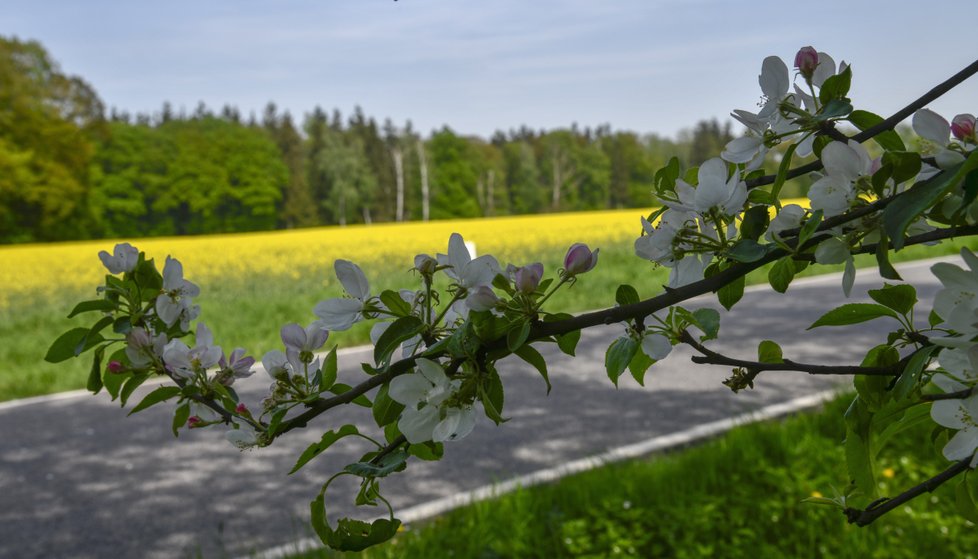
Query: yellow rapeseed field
{"x": 38, "y": 269}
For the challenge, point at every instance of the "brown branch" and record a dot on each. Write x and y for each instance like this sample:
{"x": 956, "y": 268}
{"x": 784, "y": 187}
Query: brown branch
{"x": 956, "y": 395}
{"x": 883, "y": 506}
{"x": 713, "y": 358}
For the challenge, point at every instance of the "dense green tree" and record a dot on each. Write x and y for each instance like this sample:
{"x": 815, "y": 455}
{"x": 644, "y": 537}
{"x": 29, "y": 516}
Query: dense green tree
{"x": 48, "y": 121}
{"x": 454, "y": 175}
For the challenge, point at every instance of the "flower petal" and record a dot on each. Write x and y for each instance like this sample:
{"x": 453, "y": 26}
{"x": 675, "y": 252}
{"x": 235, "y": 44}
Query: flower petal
{"x": 931, "y": 126}
{"x": 352, "y": 278}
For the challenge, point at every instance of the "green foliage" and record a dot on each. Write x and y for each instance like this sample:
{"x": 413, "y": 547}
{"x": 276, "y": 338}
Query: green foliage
{"x": 739, "y": 496}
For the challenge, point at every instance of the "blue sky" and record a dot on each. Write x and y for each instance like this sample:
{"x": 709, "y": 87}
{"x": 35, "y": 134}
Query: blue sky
{"x": 481, "y": 65}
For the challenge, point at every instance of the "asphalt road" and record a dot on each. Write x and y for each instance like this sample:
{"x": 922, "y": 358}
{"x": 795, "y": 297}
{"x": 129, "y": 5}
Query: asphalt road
{"x": 80, "y": 479}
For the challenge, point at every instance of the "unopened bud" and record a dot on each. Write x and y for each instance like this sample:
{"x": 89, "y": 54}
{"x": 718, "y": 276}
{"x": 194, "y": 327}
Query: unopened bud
{"x": 963, "y": 127}
{"x": 527, "y": 278}
{"x": 116, "y": 367}
{"x": 806, "y": 61}
{"x": 425, "y": 264}
{"x": 242, "y": 409}
{"x": 193, "y": 422}
{"x": 579, "y": 259}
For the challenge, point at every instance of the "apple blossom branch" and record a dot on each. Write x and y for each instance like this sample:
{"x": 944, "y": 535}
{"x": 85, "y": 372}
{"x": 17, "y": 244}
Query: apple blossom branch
{"x": 675, "y": 296}
{"x": 883, "y": 506}
{"x": 642, "y": 309}
{"x": 887, "y": 124}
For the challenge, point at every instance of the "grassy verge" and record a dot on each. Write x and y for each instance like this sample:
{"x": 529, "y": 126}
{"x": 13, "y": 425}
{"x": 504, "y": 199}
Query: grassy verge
{"x": 248, "y": 310}
{"x": 739, "y": 495}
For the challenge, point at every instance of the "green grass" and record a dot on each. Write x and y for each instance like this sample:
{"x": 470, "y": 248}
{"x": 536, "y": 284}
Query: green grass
{"x": 740, "y": 495}
{"x": 249, "y": 311}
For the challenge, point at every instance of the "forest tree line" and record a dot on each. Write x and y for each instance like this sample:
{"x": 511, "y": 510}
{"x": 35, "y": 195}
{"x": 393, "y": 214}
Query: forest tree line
{"x": 70, "y": 169}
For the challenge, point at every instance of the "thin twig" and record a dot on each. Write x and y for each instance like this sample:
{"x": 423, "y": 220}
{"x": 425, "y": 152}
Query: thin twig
{"x": 879, "y": 508}
{"x": 956, "y": 395}
{"x": 711, "y": 357}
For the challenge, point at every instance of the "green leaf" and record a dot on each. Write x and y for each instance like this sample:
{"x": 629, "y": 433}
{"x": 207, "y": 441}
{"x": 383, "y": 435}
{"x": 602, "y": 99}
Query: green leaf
{"x": 888, "y": 140}
{"x": 963, "y": 501}
{"x": 149, "y": 279}
{"x": 131, "y": 385}
{"x": 517, "y": 335}
{"x": 357, "y": 535}
{"x": 859, "y": 458}
{"x": 180, "y": 417}
{"x": 852, "y": 313}
{"x": 665, "y": 178}
{"x": 639, "y": 365}
{"x": 835, "y": 88}
{"x": 327, "y": 440}
{"x": 94, "y": 305}
{"x": 532, "y": 356}
{"x": 746, "y": 250}
{"x": 834, "y": 109}
{"x": 904, "y": 165}
{"x": 809, "y": 227}
{"x": 900, "y": 298}
{"x": 782, "y": 175}
{"x": 905, "y": 209}
{"x": 883, "y": 258}
{"x": 626, "y": 295}
{"x": 620, "y": 353}
{"x": 769, "y": 352}
{"x": 427, "y": 451}
{"x": 340, "y": 388}
{"x": 732, "y": 292}
{"x": 910, "y": 377}
{"x": 759, "y": 196}
{"x": 755, "y": 222}
{"x": 491, "y": 395}
{"x": 387, "y": 465}
{"x": 399, "y": 331}
{"x": 707, "y": 320}
{"x": 161, "y": 394}
{"x": 394, "y": 303}
{"x": 113, "y": 382}
{"x": 329, "y": 369}
{"x": 872, "y": 389}
{"x": 568, "y": 342}
{"x": 781, "y": 274}
{"x": 63, "y": 348}
{"x": 385, "y": 410}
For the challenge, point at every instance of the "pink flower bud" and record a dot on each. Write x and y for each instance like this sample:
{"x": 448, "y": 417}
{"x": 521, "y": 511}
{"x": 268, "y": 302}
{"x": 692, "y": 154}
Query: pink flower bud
{"x": 806, "y": 61}
{"x": 193, "y": 422}
{"x": 115, "y": 367}
{"x": 242, "y": 409}
{"x": 579, "y": 259}
{"x": 528, "y": 277}
{"x": 963, "y": 127}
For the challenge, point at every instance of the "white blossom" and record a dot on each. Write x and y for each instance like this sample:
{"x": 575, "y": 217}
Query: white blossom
{"x": 123, "y": 259}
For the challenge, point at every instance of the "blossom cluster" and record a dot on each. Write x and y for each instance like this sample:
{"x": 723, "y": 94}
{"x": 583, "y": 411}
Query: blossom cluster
{"x": 700, "y": 220}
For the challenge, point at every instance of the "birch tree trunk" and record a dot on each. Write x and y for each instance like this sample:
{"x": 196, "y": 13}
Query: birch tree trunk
{"x": 399, "y": 178}
{"x": 424, "y": 181}
{"x": 555, "y": 203}
{"x": 490, "y": 196}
